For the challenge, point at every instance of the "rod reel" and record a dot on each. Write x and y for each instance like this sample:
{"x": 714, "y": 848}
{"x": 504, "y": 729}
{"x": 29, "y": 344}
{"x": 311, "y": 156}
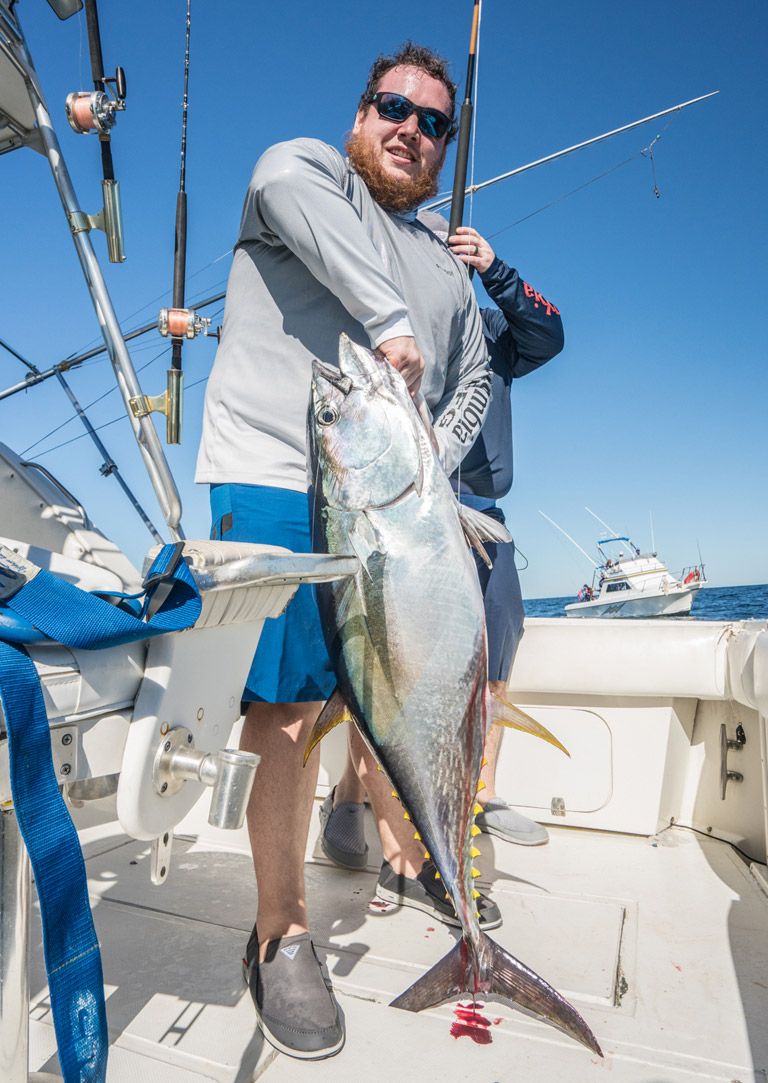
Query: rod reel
{"x": 91, "y": 111}
{"x": 182, "y": 323}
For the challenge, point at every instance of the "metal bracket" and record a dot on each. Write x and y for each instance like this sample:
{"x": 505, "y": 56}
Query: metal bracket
{"x": 64, "y": 750}
{"x": 109, "y": 220}
{"x": 169, "y": 403}
{"x": 727, "y": 745}
{"x": 141, "y": 405}
{"x": 160, "y": 859}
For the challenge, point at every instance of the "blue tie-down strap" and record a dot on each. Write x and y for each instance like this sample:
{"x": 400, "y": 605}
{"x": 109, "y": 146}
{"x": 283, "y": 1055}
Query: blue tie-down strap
{"x": 70, "y": 616}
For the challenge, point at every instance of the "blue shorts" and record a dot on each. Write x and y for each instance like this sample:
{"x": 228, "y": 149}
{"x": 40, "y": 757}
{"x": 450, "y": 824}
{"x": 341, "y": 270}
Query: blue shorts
{"x": 503, "y": 598}
{"x": 291, "y": 664}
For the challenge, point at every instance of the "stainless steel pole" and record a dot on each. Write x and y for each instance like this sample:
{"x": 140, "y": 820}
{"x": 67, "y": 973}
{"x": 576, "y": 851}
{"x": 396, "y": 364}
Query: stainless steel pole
{"x": 125, "y": 374}
{"x": 14, "y": 977}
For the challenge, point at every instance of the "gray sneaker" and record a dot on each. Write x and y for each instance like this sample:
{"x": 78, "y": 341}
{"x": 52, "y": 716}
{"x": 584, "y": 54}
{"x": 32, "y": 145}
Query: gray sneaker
{"x": 295, "y": 1006}
{"x": 498, "y": 819}
{"x": 427, "y": 894}
{"x": 342, "y": 833}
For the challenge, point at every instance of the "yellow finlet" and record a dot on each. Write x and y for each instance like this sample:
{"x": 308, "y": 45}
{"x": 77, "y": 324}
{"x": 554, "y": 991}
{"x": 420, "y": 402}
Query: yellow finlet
{"x": 480, "y": 785}
{"x": 394, "y": 794}
{"x": 475, "y": 873}
{"x": 437, "y": 875}
{"x": 379, "y": 768}
{"x": 475, "y": 893}
{"x": 406, "y": 815}
{"x": 474, "y": 852}
{"x": 475, "y": 831}
{"x": 417, "y": 836}
{"x": 484, "y": 762}
{"x": 477, "y": 809}
{"x": 426, "y": 855}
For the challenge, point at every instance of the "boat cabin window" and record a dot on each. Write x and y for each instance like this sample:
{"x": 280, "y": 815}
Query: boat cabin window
{"x": 623, "y": 585}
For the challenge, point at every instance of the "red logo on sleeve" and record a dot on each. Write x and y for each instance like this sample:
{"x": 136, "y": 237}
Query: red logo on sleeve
{"x": 539, "y": 300}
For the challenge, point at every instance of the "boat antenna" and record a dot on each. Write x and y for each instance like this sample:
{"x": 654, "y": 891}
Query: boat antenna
{"x": 444, "y": 200}
{"x": 108, "y": 466}
{"x": 570, "y": 539}
{"x": 465, "y": 130}
{"x": 602, "y": 522}
{"x": 178, "y": 323}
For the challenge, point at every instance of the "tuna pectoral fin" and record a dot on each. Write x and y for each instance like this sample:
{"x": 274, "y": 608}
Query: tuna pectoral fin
{"x": 504, "y": 977}
{"x": 506, "y": 714}
{"x": 479, "y": 528}
{"x": 333, "y": 713}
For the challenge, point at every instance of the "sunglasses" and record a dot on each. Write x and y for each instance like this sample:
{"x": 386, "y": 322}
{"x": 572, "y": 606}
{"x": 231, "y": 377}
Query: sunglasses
{"x": 396, "y": 108}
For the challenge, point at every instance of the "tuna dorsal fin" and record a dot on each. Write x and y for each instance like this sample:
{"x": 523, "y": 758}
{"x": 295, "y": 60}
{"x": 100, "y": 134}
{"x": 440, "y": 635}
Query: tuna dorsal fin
{"x": 505, "y": 713}
{"x": 502, "y": 976}
{"x": 333, "y": 713}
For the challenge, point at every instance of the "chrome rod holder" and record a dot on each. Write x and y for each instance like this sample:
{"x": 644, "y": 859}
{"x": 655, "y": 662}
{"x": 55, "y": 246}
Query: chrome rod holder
{"x": 727, "y": 745}
{"x": 229, "y": 772}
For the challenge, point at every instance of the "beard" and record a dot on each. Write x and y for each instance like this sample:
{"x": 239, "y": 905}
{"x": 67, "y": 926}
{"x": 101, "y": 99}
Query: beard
{"x": 391, "y": 193}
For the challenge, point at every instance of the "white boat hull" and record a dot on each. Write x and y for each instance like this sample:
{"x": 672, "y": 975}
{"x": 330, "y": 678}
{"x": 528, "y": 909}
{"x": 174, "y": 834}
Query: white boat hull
{"x": 657, "y": 603}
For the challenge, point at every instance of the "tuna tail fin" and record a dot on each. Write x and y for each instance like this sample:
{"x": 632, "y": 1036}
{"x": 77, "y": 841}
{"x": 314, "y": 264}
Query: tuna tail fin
{"x": 504, "y": 977}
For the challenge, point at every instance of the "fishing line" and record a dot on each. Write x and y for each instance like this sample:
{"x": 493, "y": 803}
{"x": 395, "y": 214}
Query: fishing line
{"x": 619, "y": 165}
{"x": 519, "y": 552}
{"x": 88, "y": 406}
{"x": 105, "y": 425}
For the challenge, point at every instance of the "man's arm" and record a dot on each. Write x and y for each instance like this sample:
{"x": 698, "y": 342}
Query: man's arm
{"x": 459, "y": 415}
{"x": 297, "y": 198}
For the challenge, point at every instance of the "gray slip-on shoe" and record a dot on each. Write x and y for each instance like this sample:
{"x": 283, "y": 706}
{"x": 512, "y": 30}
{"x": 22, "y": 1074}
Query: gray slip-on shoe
{"x": 497, "y": 818}
{"x": 342, "y": 833}
{"x": 428, "y": 894}
{"x": 291, "y": 991}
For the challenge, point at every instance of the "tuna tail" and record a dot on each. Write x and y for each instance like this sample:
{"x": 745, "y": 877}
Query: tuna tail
{"x": 504, "y": 977}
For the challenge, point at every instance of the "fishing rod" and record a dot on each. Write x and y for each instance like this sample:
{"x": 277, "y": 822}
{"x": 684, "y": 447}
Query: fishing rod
{"x": 465, "y": 129}
{"x": 178, "y": 323}
{"x": 37, "y": 376}
{"x": 108, "y": 466}
{"x": 570, "y": 539}
{"x": 472, "y": 188}
{"x": 95, "y": 111}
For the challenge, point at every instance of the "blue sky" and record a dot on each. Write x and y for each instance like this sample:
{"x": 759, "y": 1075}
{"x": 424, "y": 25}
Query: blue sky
{"x": 657, "y": 404}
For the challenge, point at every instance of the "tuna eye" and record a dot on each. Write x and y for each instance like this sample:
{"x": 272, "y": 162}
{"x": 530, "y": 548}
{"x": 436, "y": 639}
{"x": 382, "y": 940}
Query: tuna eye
{"x": 327, "y": 415}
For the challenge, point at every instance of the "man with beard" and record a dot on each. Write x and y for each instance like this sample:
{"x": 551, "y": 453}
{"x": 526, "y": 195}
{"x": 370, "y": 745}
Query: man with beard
{"x": 326, "y": 245}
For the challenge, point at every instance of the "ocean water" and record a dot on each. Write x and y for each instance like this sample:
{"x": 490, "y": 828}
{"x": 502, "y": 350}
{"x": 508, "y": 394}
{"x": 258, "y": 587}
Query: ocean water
{"x": 710, "y": 603}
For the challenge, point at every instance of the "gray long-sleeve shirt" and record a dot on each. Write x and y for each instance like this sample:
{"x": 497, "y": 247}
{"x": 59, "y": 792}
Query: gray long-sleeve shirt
{"x": 316, "y": 256}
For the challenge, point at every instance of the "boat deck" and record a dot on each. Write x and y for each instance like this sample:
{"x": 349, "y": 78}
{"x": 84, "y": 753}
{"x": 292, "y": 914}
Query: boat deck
{"x": 662, "y": 944}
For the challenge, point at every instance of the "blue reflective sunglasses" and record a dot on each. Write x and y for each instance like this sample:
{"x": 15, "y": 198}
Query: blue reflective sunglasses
{"x": 396, "y": 108}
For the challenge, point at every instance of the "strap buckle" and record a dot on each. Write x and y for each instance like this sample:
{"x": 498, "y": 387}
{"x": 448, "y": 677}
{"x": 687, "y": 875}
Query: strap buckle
{"x": 15, "y": 573}
{"x": 159, "y": 584}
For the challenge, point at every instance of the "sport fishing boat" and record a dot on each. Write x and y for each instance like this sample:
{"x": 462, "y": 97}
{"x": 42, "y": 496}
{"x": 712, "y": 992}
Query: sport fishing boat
{"x": 630, "y": 583}
{"x": 648, "y": 909}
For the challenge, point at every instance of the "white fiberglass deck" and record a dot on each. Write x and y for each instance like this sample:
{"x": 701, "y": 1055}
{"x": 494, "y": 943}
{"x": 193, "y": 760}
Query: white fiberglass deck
{"x": 661, "y": 943}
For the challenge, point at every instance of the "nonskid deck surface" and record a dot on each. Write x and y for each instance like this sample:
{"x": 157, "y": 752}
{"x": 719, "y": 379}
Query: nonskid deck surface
{"x": 662, "y": 944}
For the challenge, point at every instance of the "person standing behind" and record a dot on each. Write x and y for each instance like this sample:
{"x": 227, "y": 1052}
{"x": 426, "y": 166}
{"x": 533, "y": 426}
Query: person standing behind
{"x": 522, "y": 333}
